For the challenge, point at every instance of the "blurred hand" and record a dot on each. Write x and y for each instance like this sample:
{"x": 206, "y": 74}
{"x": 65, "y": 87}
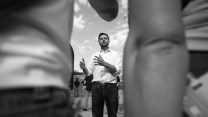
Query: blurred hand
{"x": 82, "y": 64}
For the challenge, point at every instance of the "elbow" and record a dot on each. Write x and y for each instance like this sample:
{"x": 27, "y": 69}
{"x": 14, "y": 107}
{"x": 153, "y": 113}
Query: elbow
{"x": 158, "y": 41}
{"x": 117, "y": 71}
{"x": 163, "y": 44}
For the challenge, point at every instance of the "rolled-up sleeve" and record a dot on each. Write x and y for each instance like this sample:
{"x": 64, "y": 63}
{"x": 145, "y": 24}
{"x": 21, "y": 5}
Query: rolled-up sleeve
{"x": 117, "y": 64}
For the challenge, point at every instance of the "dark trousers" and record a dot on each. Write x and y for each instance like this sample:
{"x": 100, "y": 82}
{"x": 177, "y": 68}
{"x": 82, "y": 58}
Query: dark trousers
{"x": 35, "y": 102}
{"x": 104, "y": 93}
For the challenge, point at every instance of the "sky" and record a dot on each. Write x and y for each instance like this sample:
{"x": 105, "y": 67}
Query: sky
{"x": 87, "y": 26}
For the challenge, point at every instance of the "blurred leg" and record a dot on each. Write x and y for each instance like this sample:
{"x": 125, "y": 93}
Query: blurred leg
{"x": 87, "y": 94}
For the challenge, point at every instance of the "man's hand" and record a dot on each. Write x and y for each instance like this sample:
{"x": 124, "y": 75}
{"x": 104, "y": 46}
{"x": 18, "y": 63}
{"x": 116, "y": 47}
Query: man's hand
{"x": 82, "y": 64}
{"x": 99, "y": 61}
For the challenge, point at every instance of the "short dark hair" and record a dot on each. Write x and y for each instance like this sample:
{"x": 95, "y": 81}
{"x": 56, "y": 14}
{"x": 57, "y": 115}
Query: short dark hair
{"x": 103, "y": 34}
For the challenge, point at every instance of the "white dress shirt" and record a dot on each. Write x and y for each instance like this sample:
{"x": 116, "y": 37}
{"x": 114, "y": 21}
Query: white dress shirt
{"x": 102, "y": 74}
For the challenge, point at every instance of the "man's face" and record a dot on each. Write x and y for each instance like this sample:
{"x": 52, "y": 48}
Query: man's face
{"x": 103, "y": 41}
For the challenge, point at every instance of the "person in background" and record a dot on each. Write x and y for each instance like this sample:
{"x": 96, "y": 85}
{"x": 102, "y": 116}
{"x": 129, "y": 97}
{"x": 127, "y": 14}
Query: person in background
{"x": 76, "y": 85}
{"x": 105, "y": 65}
{"x": 88, "y": 89}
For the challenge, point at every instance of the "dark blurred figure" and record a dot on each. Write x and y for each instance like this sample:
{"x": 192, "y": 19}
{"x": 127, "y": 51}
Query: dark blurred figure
{"x": 76, "y": 85}
{"x": 87, "y": 82}
{"x": 36, "y": 60}
{"x": 117, "y": 100}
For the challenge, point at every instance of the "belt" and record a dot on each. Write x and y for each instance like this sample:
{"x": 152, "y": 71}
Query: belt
{"x": 101, "y": 83}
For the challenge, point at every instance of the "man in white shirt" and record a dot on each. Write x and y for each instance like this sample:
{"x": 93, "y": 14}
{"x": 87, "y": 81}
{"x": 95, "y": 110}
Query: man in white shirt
{"x": 105, "y": 65}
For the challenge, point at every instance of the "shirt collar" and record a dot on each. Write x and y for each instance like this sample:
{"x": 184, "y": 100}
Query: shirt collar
{"x": 105, "y": 51}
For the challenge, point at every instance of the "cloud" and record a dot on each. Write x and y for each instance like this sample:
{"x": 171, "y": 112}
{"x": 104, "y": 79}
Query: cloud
{"x": 86, "y": 41}
{"x": 119, "y": 34}
{"x": 84, "y": 3}
{"x": 114, "y": 42}
{"x": 79, "y": 3}
{"x": 124, "y": 4}
{"x": 119, "y": 38}
{"x": 124, "y": 25}
{"x": 84, "y": 49}
{"x": 76, "y": 65}
{"x": 123, "y": 10}
{"x": 121, "y": 25}
{"x": 79, "y": 22}
{"x": 76, "y": 7}
{"x": 80, "y": 47}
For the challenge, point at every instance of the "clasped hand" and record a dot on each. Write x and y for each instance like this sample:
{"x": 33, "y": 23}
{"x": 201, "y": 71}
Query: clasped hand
{"x": 99, "y": 61}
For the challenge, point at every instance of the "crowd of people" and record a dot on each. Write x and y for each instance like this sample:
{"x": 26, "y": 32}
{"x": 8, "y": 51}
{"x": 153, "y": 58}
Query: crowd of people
{"x": 36, "y": 61}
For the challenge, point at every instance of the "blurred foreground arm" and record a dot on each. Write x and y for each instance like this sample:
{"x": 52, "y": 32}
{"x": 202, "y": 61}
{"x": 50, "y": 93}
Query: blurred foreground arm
{"x": 155, "y": 59}
{"x": 106, "y": 9}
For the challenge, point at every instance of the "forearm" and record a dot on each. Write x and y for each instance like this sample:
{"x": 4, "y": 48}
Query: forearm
{"x": 155, "y": 60}
{"x": 155, "y": 80}
{"x": 85, "y": 71}
{"x": 110, "y": 67}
